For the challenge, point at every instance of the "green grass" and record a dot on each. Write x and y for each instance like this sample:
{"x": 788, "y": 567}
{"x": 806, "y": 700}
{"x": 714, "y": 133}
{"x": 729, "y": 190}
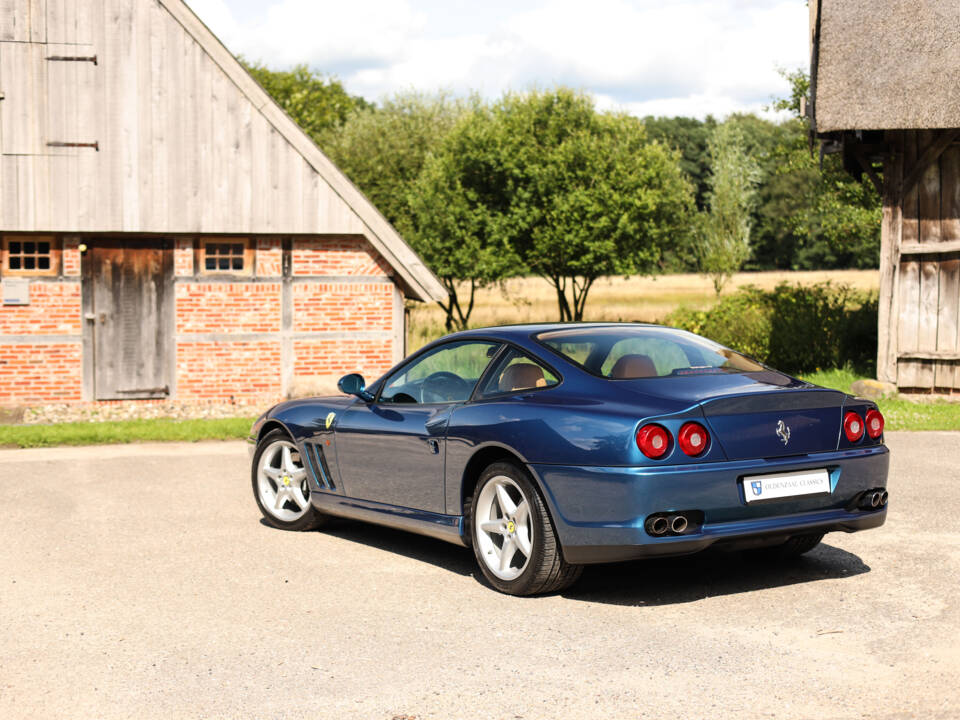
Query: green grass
{"x": 899, "y": 414}
{"x": 123, "y": 431}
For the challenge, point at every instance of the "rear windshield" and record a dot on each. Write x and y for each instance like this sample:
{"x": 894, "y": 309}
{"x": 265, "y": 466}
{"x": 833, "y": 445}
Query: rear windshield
{"x": 623, "y": 353}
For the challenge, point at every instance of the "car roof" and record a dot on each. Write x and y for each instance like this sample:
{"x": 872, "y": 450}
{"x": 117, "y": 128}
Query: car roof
{"x": 526, "y": 330}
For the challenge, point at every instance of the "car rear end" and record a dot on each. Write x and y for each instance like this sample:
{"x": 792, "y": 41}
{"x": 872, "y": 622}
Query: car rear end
{"x": 753, "y": 458}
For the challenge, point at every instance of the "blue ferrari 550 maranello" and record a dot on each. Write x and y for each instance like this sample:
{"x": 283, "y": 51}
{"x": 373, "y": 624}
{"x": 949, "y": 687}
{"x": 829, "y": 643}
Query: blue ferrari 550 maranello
{"x": 547, "y": 447}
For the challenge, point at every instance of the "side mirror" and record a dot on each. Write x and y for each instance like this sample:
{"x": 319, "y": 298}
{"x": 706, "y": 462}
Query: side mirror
{"x": 354, "y": 384}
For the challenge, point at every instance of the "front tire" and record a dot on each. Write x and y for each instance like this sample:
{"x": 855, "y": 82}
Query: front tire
{"x": 513, "y": 537}
{"x": 281, "y": 485}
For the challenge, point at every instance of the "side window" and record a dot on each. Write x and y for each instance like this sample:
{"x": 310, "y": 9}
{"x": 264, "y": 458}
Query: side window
{"x": 445, "y": 374}
{"x": 516, "y": 372}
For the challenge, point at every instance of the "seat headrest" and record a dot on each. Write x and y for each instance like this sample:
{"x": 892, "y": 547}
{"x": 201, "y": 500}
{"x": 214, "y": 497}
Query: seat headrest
{"x": 634, "y": 366}
{"x": 521, "y": 376}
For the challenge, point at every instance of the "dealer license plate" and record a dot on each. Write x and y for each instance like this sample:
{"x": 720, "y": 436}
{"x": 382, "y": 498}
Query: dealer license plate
{"x": 783, "y": 485}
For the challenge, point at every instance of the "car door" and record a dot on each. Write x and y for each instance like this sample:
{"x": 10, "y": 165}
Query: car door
{"x": 392, "y": 450}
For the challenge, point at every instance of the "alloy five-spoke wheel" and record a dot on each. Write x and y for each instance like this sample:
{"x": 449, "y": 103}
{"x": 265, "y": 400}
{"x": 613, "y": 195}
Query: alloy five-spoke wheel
{"x": 513, "y": 536}
{"x": 281, "y": 485}
{"x": 504, "y": 532}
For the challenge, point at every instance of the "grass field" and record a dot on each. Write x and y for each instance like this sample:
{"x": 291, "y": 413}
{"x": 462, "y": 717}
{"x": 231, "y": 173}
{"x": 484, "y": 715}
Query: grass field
{"x": 899, "y": 413}
{"x": 123, "y": 431}
{"x": 533, "y": 299}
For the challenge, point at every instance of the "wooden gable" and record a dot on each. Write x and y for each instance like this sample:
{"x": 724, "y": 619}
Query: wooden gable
{"x": 130, "y": 116}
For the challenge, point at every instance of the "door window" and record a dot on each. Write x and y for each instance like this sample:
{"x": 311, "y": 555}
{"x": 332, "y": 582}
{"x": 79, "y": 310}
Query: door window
{"x": 445, "y": 374}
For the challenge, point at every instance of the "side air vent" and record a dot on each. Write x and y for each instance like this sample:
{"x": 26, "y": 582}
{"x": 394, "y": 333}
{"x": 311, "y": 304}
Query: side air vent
{"x": 319, "y": 468}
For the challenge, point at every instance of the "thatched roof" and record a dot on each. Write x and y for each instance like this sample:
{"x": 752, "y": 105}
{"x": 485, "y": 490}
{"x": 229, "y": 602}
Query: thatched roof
{"x": 885, "y": 64}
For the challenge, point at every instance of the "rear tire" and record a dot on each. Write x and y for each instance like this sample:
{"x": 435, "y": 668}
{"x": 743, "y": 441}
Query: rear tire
{"x": 793, "y": 548}
{"x": 513, "y": 536}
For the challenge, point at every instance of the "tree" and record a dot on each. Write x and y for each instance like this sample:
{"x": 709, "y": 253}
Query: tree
{"x": 725, "y": 244}
{"x": 835, "y": 218}
{"x": 541, "y": 182}
{"x": 459, "y": 213}
{"x": 691, "y": 138}
{"x": 316, "y": 102}
{"x": 383, "y": 150}
{"x": 597, "y": 197}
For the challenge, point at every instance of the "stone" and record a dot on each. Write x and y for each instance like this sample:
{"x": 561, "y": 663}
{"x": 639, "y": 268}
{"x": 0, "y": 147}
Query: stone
{"x": 11, "y": 415}
{"x": 873, "y": 389}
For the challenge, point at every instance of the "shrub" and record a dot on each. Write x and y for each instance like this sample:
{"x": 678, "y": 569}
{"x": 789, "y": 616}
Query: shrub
{"x": 795, "y": 328}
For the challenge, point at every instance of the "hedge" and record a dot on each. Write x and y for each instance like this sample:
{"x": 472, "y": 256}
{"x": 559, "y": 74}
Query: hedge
{"x": 794, "y": 328}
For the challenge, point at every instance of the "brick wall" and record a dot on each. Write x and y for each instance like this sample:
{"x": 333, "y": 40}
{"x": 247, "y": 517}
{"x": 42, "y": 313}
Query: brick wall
{"x": 318, "y": 364}
{"x": 246, "y": 364}
{"x": 221, "y": 370}
{"x": 51, "y": 369}
{"x": 342, "y": 307}
{"x": 54, "y": 309}
{"x": 183, "y": 257}
{"x": 40, "y": 373}
{"x": 337, "y": 256}
{"x": 247, "y": 307}
{"x": 71, "y": 257}
{"x": 228, "y": 307}
{"x": 269, "y": 257}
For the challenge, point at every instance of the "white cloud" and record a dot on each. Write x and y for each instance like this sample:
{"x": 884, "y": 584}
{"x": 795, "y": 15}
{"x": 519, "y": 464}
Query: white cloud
{"x": 693, "y": 57}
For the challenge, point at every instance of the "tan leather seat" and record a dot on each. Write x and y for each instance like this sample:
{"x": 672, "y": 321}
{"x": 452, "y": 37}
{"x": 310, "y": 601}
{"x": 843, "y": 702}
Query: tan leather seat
{"x": 522, "y": 376}
{"x": 634, "y": 366}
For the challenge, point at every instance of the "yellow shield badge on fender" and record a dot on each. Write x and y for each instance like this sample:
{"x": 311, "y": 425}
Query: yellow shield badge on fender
{"x": 330, "y": 418}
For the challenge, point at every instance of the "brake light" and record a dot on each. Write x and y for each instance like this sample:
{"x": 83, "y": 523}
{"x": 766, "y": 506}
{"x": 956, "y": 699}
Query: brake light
{"x": 852, "y": 426}
{"x": 874, "y": 424}
{"x": 693, "y": 439}
{"x": 653, "y": 441}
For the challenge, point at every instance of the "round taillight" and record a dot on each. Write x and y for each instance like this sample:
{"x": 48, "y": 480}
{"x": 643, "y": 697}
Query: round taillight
{"x": 874, "y": 424}
{"x": 852, "y": 426}
{"x": 653, "y": 441}
{"x": 693, "y": 439}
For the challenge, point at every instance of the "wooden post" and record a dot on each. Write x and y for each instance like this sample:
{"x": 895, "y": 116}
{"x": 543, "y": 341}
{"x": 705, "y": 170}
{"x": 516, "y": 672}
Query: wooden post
{"x": 890, "y": 236}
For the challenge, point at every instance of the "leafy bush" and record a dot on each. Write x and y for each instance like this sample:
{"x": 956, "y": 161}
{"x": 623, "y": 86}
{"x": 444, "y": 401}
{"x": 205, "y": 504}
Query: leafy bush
{"x": 795, "y": 328}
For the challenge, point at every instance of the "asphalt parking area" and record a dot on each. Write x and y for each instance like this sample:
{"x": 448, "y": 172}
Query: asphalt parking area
{"x": 137, "y": 581}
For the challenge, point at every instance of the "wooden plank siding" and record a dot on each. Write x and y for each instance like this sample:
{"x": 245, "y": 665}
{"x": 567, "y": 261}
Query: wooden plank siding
{"x": 187, "y": 142}
{"x": 919, "y": 338}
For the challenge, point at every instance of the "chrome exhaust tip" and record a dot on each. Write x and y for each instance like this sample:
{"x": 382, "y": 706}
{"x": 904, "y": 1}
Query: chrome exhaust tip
{"x": 884, "y": 496}
{"x": 678, "y": 523}
{"x": 871, "y": 499}
{"x": 658, "y": 525}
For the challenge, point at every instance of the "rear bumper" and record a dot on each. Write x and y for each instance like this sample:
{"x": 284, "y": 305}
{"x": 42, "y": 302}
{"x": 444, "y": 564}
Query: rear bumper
{"x": 599, "y": 512}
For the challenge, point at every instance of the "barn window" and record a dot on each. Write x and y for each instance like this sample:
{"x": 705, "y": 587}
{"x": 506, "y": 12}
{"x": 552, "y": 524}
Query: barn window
{"x": 227, "y": 256}
{"x": 30, "y": 255}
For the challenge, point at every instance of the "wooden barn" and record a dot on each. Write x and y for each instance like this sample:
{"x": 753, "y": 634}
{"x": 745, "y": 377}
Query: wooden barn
{"x": 167, "y": 230}
{"x": 885, "y": 92}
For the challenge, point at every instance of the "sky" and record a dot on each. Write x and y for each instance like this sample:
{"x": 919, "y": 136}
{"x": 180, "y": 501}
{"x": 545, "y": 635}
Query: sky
{"x": 645, "y": 57}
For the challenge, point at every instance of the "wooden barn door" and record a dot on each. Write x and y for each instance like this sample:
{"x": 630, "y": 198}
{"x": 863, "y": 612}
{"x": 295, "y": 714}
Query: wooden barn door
{"x": 128, "y": 306}
{"x": 919, "y": 340}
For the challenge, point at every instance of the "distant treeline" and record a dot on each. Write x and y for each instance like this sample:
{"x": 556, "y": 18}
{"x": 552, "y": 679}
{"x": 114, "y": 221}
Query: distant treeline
{"x": 543, "y": 183}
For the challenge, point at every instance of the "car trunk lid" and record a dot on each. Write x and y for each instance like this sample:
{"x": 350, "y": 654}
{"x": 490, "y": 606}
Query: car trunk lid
{"x": 775, "y": 424}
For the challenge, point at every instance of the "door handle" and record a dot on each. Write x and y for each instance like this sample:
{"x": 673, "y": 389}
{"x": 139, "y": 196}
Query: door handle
{"x": 434, "y": 445}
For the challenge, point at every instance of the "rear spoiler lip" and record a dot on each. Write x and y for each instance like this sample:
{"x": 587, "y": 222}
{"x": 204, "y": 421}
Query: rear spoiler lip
{"x": 788, "y": 400}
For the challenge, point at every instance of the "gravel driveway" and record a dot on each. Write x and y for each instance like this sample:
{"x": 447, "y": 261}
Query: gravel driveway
{"x": 138, "y": 582}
